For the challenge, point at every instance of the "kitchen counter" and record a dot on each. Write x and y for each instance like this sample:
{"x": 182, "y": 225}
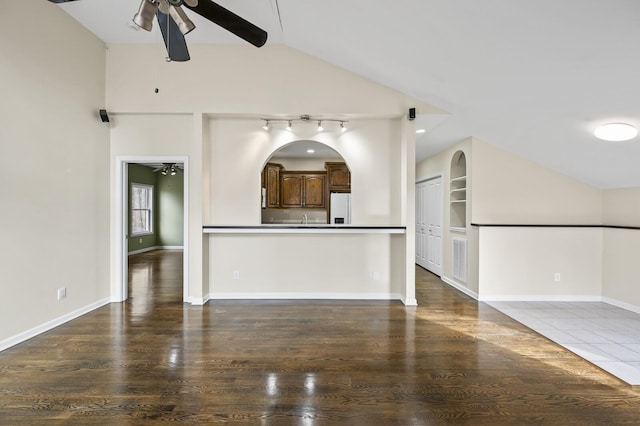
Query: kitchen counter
{"x": 304, "y": 229}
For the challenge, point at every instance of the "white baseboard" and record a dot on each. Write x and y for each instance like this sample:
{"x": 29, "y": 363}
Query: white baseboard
{"x": 144, "y": 250}
{"x": 623, "y": 305}
{"x": 24, "y": 336}
{"x": 305, "y": 296}
{"x": 198, "y": 301}
{"x": 409, "y": 302}
{"x": 539, "y": 298}
{"x": 459, "y": 287}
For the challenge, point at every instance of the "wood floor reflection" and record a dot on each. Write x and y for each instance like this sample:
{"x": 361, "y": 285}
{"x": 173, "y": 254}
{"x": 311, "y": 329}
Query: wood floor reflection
{"x": 452, "y": 360}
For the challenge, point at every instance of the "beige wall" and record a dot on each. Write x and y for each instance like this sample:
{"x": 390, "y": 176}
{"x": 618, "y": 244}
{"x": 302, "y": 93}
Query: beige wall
{"x": 621, "y": 207}
{"x": 54, "y": 162}
{"x": 521, "y": 263}
{"x": 441, "y": 164}
{"x": 511, "y": 190}
{"x": 620, "y": 278}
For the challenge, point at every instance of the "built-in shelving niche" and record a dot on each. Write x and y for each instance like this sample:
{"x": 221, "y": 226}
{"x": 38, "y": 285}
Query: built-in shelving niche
{"x": 458, "y": 194}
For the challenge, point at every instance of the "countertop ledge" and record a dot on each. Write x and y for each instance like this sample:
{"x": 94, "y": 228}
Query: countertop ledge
{"x": 302, "y": 229}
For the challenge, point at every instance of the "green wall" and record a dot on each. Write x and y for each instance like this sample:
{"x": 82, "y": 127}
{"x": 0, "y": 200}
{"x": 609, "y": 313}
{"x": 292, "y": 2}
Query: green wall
{"x": 168, "y": 201}
{"x": 171, "y": 209}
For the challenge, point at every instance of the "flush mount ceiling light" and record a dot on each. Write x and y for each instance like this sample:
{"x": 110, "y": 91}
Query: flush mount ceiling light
{"x": 616, "y": 132}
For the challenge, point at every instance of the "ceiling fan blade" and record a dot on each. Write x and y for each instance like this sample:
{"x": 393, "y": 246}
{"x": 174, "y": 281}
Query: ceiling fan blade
{"x": 173, "y": 38}
{"x": 230, "y": 22}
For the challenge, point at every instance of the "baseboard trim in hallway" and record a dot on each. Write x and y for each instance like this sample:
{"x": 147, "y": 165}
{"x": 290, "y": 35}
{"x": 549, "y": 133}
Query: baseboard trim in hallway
{"x": 42, "y": 328}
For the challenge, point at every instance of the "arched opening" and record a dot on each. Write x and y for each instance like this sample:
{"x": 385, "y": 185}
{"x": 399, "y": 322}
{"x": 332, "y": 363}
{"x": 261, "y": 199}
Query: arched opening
{"x": 306, "y": 182}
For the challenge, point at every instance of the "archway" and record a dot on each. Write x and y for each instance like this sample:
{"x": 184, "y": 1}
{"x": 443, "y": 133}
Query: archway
{"x": 306, "y": 182}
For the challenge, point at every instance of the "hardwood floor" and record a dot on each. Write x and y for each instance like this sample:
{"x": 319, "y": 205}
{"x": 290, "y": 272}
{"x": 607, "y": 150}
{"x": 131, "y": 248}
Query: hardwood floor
{"x": 451, "y": 360}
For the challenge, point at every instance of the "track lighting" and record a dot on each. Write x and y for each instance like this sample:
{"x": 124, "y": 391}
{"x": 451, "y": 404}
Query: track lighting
{"x": 303, "y": 118}
{"x": 173, "y": 171}
{"x": 184, "y": 23}
{"x": 164, "y": 171}
{"x": 145, "y": 15}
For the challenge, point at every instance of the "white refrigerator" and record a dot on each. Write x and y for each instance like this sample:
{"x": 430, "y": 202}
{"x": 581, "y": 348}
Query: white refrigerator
{"x": 340, "y": 208}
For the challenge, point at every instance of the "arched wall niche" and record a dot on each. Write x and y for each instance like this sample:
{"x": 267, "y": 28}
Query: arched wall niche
{"x": 458, "y": 198}
{"x": 296, "y": 184}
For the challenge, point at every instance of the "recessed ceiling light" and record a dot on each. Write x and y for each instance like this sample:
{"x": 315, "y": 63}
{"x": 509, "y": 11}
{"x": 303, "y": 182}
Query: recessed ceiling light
{"x": 310, "y": 151}
{"x": 420, "y": 131}
{"x": 616, "y": 132}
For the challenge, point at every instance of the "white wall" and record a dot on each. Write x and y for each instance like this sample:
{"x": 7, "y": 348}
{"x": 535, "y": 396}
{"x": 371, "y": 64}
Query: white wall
{"x": 54, "y": 165}
{"x": 366, "y": 147}
{"x": 227, "y": 89}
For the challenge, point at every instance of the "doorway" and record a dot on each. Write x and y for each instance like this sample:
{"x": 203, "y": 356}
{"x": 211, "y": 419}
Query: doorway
{"x": 429, "y": 224}
{"x": 119, "y": 287}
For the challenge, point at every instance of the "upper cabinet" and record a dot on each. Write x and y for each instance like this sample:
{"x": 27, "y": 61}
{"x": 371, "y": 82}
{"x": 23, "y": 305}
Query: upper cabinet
{"x": 271, "y": 184}
{"x": 338, "y": 176}
{"x": 303, "y": 189}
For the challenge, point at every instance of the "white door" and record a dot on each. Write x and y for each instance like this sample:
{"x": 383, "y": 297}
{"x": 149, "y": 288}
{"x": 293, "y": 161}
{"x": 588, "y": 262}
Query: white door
{"x": 421, "y": 224}
{"x": 429, "y": 225}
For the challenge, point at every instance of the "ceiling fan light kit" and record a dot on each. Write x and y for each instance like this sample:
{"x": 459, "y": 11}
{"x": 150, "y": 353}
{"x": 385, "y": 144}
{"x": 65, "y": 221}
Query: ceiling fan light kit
{"x": 616, "y": 132}
{"x": 174, "y": 23}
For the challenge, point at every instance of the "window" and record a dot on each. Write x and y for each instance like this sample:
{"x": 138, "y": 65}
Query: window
{"x": 141, "y": 209}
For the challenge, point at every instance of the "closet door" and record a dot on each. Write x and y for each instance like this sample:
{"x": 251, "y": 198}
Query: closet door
{"x": 434, "y": 225}
{"x": 421, "y": 224}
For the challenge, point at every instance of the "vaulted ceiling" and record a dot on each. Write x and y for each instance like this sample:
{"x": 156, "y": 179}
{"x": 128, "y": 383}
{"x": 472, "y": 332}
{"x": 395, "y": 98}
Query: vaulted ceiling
{"x": 533, "y": 77}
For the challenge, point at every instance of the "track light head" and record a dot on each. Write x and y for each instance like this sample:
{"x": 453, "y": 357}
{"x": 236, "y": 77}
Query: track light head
{"x": 266, "y": 125}
{"x": 184, "y": 23}
{"x": 146, "y": 14}
{"x": 320, "y": 128}
{"x": 343, "y": 128}
{"x": 289, "y": 125}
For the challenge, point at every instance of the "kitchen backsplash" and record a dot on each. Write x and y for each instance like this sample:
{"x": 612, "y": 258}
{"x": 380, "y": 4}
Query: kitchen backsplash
{"x": 294, "y": 215}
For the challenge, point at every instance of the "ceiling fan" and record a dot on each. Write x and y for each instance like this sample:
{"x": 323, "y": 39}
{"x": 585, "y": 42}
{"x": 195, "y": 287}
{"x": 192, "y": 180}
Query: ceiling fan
{"x": 174, "y": 29}
{"x": 168, "y": 168}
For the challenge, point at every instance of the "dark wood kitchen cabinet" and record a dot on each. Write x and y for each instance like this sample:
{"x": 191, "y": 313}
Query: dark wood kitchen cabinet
{"x": 338, "y": 177}
{"x": 271, "y": 183}
{"x": 303, "y": 189}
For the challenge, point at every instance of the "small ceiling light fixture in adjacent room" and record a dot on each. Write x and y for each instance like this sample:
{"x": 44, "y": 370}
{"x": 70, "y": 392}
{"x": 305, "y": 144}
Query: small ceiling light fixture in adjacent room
{"x": 289, "y": 125}
{"x": 266, "y": 125}
{"x": 421, "y": 131}
{"x": 320, "y": 128}
{"x": 343, "y": 128}
{"x": 616, "y": 132}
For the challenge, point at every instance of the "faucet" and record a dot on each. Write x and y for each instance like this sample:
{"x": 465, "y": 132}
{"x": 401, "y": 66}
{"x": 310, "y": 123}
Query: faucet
{"x": 305, "y": 219}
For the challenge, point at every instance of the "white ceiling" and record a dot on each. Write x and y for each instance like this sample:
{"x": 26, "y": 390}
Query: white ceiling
{"x": 533, "y": 77}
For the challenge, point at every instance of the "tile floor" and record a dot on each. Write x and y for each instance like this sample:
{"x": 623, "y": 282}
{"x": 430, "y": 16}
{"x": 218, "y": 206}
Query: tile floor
{"x": 603, "y": 334}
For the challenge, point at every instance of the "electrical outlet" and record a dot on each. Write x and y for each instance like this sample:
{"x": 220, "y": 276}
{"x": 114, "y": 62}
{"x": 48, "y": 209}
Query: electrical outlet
{"x": 556, "y": 277}
{"x": 62, "y": 293}
{"x": 236, "y": 275}
{"x": 376, "y": 276}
